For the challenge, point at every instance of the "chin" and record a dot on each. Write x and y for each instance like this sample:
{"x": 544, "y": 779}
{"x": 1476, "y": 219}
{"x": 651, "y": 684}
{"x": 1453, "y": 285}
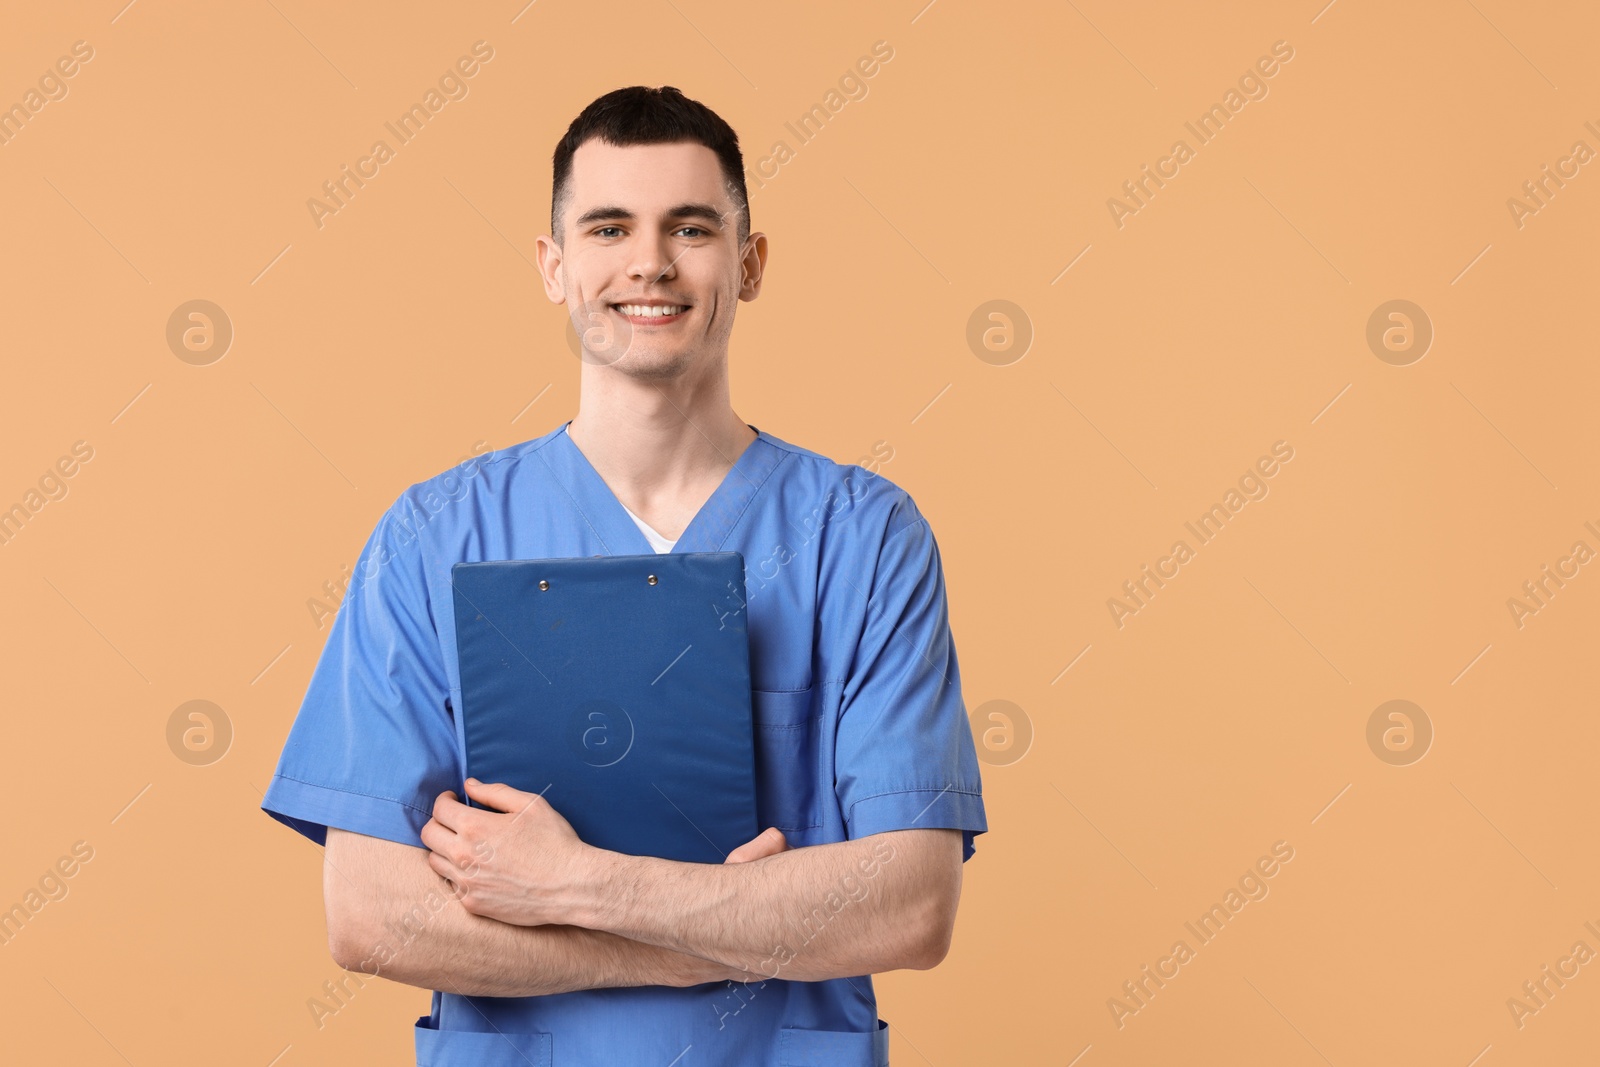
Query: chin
{"x": 655, "y": 366}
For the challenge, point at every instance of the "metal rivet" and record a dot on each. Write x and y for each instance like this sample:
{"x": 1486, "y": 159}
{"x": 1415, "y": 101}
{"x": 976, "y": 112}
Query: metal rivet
{"x": 543, "y": 585}
{"x": 652, "y": 579}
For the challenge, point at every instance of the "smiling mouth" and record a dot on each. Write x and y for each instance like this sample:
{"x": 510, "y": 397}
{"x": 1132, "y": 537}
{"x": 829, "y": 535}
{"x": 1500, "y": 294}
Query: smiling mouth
{"x": 651, "y": 314}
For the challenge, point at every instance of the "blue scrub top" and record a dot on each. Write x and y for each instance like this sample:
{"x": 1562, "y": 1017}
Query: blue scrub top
{"x": 860, "y": 725}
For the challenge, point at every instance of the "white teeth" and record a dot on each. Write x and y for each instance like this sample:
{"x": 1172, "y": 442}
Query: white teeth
{"x": 646, "y": 310}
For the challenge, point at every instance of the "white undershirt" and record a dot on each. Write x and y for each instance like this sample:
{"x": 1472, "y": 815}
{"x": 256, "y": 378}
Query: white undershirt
{"x": 657, "y": 542}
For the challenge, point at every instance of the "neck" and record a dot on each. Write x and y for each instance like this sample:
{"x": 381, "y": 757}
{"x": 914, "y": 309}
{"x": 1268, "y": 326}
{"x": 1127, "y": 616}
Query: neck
{"x": 658, "y": 441}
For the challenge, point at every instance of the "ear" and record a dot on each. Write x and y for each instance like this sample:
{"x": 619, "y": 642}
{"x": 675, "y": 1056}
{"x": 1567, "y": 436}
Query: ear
{"x": 755, "y": 265}
{"x": 549, "y": 255}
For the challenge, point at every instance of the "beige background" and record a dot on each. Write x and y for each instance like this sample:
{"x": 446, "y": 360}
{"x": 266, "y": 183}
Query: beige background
{"x": 1230, "y": 312}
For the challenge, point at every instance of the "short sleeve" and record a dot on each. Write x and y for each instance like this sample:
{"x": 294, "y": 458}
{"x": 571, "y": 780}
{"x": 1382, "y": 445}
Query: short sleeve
{"x": 904, "y": 756}
{"x": 374, "y": 741}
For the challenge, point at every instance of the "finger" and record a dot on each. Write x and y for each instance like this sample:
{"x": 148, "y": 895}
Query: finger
{"x": 752, "y": 849}
{"x": 446, "y": 870}
{"x": 767, "y": 843}
{"x": 499, "y": 796}
{"x": 436, "y": 836}
{"x": 447, "y": 809}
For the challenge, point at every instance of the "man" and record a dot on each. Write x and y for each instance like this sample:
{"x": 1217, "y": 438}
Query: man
{"x": 540, "y": 948}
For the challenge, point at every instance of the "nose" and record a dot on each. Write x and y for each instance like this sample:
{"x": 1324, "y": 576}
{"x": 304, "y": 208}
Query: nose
{"x": 652, "y": 258}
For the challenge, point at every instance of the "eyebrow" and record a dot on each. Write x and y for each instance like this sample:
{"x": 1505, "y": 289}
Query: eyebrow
{"x": 615, "y": 213}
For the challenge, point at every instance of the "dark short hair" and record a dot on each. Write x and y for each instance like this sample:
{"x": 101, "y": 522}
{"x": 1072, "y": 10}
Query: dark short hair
{"x": 640, "y": 114}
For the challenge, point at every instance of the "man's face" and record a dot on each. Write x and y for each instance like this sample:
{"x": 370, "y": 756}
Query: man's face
{"x": 650, "y": 225}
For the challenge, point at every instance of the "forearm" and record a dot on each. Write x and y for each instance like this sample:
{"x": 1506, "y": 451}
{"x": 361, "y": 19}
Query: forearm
{"x": 847, "y": 908}
{"x": 473, "y": 956}
{"x": 390, "y": 915}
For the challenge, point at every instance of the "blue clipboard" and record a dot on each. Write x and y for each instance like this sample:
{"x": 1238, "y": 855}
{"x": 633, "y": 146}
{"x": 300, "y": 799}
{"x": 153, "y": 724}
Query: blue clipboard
{"x": 618, "y": 687}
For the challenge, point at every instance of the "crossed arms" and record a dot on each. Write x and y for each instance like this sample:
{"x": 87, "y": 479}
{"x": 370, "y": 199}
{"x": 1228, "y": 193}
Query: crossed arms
{"x": 511, "y": 903}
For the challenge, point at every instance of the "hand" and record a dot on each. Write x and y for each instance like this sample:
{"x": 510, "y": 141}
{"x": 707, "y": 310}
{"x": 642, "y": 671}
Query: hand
{"x": 521, "y": 863}
{"x": 768, "y": 842}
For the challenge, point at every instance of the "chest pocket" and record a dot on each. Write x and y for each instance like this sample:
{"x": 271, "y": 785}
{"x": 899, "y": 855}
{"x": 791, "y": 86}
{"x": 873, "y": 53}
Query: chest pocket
{"x": 786, "y": 758}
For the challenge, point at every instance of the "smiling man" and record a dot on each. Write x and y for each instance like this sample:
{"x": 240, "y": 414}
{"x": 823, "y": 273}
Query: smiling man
{"x": 540, "y": 948}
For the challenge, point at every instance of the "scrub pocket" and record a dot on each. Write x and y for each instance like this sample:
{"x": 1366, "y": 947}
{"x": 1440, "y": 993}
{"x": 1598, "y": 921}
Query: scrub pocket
{"x": 833, "y": 1048}
{"x": 786, "y": 759}
{"x": 470, "y": 1048}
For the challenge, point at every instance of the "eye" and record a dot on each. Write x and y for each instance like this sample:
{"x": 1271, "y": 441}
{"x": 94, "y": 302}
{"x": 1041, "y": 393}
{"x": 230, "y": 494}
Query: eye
{"x": 601, "y": 231}
{"x": 698, "y": 232}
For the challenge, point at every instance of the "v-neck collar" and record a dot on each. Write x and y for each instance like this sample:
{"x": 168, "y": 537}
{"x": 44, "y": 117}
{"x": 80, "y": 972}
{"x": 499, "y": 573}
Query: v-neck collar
{"x": 619, "y": 535}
